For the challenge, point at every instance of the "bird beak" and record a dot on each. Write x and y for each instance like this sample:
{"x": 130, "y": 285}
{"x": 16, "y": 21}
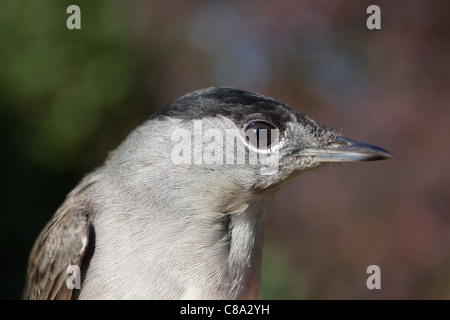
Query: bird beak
{"x": 344, "y": 149}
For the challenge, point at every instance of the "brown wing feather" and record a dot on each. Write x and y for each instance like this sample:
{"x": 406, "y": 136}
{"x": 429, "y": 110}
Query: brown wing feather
{"x": 63, "y": 242}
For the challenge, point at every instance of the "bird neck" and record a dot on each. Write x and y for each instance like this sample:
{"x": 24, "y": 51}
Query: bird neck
{"x": 229, "y": 241}
{"x": 245, "y": 254}
{"x": 213, "y": 241}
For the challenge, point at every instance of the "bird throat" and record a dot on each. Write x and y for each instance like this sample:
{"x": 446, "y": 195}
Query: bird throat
{"x": 246, "y": 237}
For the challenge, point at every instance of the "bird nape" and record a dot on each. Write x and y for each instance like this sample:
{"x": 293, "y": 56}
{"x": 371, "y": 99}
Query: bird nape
{"x": 177, "y": 210}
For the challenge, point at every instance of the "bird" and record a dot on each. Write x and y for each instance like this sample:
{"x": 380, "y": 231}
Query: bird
{"x": 177, "y": 210}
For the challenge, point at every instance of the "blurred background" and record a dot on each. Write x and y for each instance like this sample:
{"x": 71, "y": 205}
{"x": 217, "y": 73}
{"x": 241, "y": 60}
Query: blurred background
{"x": 67, "y": 97}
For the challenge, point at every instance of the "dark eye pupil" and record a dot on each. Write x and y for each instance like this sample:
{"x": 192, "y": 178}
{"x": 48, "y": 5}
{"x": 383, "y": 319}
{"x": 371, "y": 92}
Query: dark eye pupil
{"x": 259, "y": 134}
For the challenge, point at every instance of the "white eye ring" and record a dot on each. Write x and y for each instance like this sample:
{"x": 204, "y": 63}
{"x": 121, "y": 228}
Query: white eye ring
{"x": 260, "y": 134}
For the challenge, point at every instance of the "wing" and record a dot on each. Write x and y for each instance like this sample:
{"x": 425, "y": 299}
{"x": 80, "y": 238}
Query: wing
{"x": 62, "y": 243}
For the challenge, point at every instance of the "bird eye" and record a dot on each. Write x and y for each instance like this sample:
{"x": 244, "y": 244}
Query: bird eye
{"x": 259, "y": 134}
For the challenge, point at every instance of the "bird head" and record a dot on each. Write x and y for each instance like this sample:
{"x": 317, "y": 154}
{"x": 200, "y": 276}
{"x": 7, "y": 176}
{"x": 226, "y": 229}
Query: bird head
{"x": 251, "y": 141}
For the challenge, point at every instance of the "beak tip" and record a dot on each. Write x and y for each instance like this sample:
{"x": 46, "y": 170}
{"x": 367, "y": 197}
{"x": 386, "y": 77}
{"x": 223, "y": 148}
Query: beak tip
{"x": 348, "y": 150}
{"x": 386, "y": 155}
